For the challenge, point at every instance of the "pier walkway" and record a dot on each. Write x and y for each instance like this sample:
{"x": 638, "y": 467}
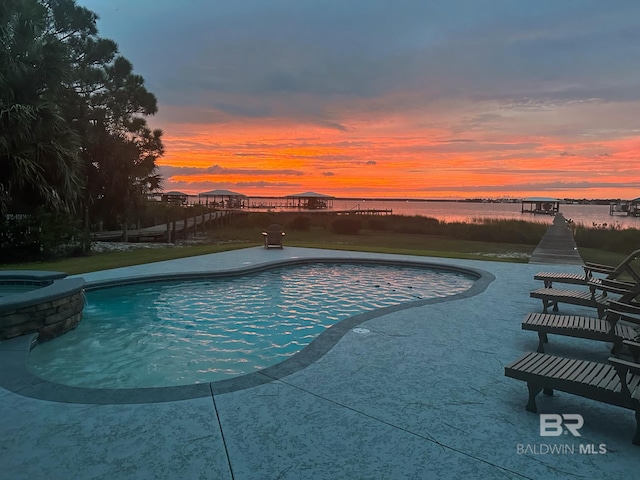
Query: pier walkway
{"x": 163, "y": 230}
{"x": 557, "y": 245}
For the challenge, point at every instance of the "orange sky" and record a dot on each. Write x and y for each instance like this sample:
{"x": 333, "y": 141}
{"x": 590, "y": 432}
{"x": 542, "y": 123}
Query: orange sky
{"x": 390, "y": 98}
{"x": 405, "y": 156}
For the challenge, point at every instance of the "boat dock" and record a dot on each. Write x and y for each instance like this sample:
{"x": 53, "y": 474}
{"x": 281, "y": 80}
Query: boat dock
{"x": 630, "y": 208}
{"x": 541, "y": 205}
{"x": 281, "y": 207}
{"x": 364, "y": 211}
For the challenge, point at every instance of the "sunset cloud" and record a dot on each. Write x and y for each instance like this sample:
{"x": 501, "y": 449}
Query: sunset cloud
{"x": 395, "y": 98}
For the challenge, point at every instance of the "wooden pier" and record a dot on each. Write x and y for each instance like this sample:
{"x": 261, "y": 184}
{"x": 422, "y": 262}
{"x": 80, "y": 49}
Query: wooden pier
{"x": 276, "y": 207}
{"x": 557, "y": 245}
{"x": 167, "y": 232}
{"x": 364, "y": 211}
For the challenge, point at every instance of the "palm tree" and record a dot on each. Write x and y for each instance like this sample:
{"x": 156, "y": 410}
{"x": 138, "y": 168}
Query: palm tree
{"x": 39, "y": 148}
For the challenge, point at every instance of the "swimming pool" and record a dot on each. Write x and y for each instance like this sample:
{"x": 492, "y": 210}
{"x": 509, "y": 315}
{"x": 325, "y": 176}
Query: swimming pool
{"x": 188, "y": 332}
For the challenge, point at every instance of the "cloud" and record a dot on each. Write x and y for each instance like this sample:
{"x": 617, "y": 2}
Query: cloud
{"x": 263, "y": 184}
{"x": 202, "y": 186}
{"x": 169, "y": 171}
{"x": 287, "y": 88}
{"x": 226, "y": 57}
{"x": 535, "y": 187}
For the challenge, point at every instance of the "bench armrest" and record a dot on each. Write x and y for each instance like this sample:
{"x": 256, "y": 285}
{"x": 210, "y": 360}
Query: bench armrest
{"x": 593, "y": 286}
{"x": 609, "y": 282}
{"x": 598, "y": 268}
{"x": 635, "y": 319}
{"x": 631, "y": 344}
{"x": 624, "y": 307}
{"x": 625, "y": 365}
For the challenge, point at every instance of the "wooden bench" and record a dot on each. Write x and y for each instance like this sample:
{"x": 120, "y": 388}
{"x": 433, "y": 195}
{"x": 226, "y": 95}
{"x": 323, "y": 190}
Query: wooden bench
{"x": 616, "y": 383}
{"x": 562, "y": 277}
{"x": 623, "y": 270}
{"x": 552, "y": 296}
{"x": 605, "y": 329}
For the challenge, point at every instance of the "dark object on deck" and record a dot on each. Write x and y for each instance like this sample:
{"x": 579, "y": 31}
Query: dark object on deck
{"x": 616, "y": 383}
{"x": 273, "y": 236}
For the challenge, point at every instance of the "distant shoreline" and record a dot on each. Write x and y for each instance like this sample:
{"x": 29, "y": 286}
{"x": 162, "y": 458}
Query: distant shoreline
{"x": 580, "y": 201}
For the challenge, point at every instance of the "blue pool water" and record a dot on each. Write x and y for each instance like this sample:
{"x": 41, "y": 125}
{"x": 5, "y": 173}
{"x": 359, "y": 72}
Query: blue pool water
{"x": 161, "y": 334}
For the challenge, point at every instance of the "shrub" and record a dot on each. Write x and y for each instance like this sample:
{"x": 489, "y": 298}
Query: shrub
{"x": 497, "y": 231}
{"x": 610, "y": 239}
{"x": 300, "y": 223}
{"x": 377, "y": 225}
{"x": 346, "y": 226}
{"x": 415, "y": 225}
{"x": 39, "y": 236}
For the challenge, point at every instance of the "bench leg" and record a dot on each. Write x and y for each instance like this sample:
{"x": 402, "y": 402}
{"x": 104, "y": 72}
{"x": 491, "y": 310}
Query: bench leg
{"x": 533, "y": 391}
{"x": 545, "y": 305}
{"x": 616, "y": 348}
{"x": 542, "y": 339}
{"x": 549, "y": 303}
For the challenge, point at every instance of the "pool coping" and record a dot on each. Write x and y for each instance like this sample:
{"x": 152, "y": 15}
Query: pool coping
{"x": 53, "y": 285}
{"x": 15, "y": 376}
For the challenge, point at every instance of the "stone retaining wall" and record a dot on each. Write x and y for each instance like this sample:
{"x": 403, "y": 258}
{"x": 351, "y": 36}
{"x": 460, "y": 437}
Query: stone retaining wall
{"x": 50, "y": 310}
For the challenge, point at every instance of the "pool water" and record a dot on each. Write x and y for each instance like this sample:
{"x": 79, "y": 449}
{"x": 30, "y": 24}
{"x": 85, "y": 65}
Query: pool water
{"x": 162, "y": 334}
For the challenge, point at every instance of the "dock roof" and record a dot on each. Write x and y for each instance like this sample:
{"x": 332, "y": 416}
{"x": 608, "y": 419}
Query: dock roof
{"x": 540, "y": 199}
{"x": 309, "y": 195}
{"x": 221, "y": 193}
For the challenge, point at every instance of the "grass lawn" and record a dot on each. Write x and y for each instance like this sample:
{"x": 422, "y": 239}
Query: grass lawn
{"x": 409, "y": 244}
{"x": 321, "y": 236}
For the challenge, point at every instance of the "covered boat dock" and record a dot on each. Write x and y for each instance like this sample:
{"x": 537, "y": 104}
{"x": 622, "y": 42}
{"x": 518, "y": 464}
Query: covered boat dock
{"x": 310, "y": 201}
{"x": 541, "y": 205}
{"x": 625, "y": 207}
{"x": 223, "y": 199}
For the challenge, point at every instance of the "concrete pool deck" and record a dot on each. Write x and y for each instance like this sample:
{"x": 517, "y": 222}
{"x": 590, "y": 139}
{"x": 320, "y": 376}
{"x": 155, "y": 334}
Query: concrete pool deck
{"x": 421, "y": 393}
